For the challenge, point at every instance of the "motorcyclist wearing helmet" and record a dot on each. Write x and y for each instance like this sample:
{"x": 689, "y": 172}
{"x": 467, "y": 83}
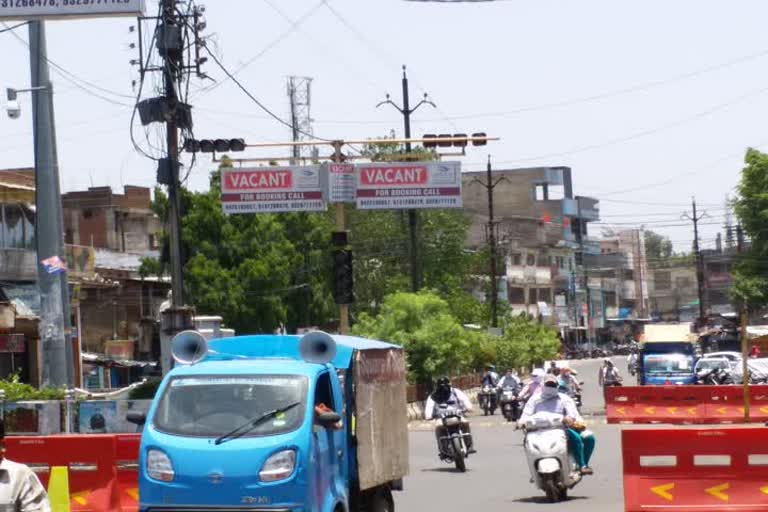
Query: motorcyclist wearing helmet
{"x": 445, "y": 394}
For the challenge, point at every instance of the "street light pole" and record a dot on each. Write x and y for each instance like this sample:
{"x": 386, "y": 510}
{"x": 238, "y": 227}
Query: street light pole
{"x": 413, "y": 215}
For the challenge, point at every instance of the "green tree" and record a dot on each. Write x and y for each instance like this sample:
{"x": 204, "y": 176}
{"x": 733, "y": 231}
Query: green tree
{"x": 526, "y": 342}
{"x": 751, "y": 208}
{"x": 657, "y": 247}
{"x": 435, "y": 343}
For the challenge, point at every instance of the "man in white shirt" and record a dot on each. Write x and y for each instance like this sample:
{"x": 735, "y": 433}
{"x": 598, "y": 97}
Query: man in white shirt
{"x": 548, "y": 399}
{"x": 20, "y": 489}
{"x": 453, "y": 398}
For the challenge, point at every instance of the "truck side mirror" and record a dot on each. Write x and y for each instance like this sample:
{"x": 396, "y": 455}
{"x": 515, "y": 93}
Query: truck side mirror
{"x": 328, "y": 419}
{"x": 136, "y": 417}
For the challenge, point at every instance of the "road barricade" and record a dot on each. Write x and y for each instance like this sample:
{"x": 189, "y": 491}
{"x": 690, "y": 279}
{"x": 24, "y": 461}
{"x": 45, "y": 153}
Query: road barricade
{"x": 81, "y": 472}
{"x": 696, "y": 470}
{"x": 656, "y": 404}
{"x": 684, "y": 404}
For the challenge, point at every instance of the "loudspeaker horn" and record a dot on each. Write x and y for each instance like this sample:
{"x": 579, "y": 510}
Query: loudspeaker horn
{"x": 317, "y": 347}
{"x": 189, "y": 347}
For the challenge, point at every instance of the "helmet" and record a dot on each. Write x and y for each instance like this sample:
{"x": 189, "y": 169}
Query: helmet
{"x": 443, "y": 382}
{"x": 490, "y": 367}
{"x": 608, "y": 361}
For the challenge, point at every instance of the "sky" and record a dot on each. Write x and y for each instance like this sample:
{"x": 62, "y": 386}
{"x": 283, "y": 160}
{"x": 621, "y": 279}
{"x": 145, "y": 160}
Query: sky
{"x": 650, "y": 103}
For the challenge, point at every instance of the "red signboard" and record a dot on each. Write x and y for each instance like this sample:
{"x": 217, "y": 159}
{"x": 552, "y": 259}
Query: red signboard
{"x": 397, "y": 186}
{"x": 272, "y": 189}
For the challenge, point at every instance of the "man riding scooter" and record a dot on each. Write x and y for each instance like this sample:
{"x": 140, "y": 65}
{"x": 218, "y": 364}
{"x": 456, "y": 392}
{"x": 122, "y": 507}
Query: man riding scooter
{"x": 580, "y": 442}
{"x": 488, "y": 397}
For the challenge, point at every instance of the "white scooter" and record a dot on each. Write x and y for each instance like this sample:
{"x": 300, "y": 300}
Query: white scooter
{"x": 552, "y": 467}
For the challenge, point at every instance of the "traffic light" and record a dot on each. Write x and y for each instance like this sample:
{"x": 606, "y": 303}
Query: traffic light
{"x": 481, "y": 136}
{"x": 216, "y": 145}
{"x": 343, "y": 282}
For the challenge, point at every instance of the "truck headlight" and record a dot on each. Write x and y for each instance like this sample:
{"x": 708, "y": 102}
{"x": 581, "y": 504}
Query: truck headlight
{"x": 278, "y": 467}
{"x": 159, "y": 466}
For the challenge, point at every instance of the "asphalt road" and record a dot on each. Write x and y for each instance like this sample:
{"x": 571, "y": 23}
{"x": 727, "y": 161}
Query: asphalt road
{"x": 497, "y": 478}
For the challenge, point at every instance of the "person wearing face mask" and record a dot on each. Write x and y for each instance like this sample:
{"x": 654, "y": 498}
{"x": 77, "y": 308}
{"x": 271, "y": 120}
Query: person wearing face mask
{"x": 530, "y": 389}
{"x": 580, "y": 441}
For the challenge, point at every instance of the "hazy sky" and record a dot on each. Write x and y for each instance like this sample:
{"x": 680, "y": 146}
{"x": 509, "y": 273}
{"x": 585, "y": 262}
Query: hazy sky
{"x": 649, "y": 102}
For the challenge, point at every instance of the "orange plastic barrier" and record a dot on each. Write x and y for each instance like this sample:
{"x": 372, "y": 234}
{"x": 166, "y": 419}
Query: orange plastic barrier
{"x": 696, "y": 470}
{"x": 97, "y": 470}
{"x": 684, "y": 404}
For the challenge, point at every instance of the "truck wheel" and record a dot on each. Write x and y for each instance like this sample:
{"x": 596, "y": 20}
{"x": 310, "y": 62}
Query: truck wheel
{"x": 379, "y": 501}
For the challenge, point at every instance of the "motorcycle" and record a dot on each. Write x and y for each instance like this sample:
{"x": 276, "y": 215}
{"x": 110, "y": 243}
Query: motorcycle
{"x": 553, "y": 469}
{"x": 452, "y": 441}
{"x": 487, "y": 400}
{"x": 510, "y": 405}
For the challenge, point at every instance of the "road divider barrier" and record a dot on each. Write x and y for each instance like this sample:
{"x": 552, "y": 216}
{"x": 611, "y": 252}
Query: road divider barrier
{"x": 696, "y": 470}
{"x": 684, "y": 404}
{"x": 83, "y": 473}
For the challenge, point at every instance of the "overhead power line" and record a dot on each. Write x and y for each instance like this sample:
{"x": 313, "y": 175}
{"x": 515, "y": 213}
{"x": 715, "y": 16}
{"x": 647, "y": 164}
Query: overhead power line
{"x": 255, "y": 100}
{"x": 12, "y": 27}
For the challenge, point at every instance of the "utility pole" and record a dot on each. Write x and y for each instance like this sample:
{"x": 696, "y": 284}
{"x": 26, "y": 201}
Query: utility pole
{"x": 55, "y": 322}
{"x": 489, "y": 184}
{"x": 413, "y": 215}
{"x": 699, "y": 263}
{"x": 585, "y": 271}
{"x": 178, "y": 317}
{"x": 743, "y": 317}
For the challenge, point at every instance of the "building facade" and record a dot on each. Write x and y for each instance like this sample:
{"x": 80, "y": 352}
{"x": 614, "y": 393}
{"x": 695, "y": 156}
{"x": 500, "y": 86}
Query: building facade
{"x": 541, "y": 227}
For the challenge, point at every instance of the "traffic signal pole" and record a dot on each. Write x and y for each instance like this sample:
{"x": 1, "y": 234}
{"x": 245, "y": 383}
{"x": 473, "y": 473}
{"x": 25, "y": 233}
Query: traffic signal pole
{"x": 340, "y": 231}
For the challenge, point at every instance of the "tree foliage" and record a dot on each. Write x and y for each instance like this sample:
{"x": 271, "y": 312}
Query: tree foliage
{"x": 751, "y": 208}
{"x": 657, "y": 247}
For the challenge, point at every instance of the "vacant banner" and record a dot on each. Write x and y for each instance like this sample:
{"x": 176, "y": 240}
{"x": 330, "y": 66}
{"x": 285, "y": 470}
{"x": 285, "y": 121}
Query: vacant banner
{"x": 53, "y": 9}
{"x": 272, "y": 189}
{"x": 405, "y": 186}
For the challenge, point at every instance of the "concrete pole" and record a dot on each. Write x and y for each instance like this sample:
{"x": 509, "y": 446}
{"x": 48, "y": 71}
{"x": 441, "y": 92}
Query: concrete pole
{"x": 55, "y": 328}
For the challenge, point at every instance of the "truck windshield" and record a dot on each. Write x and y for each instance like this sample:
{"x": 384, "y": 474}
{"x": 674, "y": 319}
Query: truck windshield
{"x": 665, "y": 364}
{"x": 210, "y": 406}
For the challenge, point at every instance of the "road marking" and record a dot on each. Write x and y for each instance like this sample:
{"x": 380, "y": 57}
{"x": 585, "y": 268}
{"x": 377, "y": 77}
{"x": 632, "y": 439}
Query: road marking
{"x": 717, "y": 491}
{"x": 662, "y": 491}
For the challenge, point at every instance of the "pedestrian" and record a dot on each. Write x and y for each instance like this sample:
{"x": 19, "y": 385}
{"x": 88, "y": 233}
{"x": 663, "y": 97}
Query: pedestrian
{"x": 20, "y": 489}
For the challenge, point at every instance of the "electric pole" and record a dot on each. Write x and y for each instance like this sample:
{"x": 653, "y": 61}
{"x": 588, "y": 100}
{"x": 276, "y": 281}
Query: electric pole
{"x": 413, "y": 215}
{"x": 489, "y": 184}
{"x": 55, "y": 322}
{"x": 585, "y": 272}
{"x": 699, "y": 262}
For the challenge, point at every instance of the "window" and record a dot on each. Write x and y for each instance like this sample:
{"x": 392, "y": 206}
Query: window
{"x": 516, "y": 295}
{"x": 516, "y": 259}
{"x": 544, "y": 295}
{"x": 324, "y": 391}
{"x": 683, "y": 282}
{"x": 560, "y": 262}
{"x": 212, "y": 405}
{"x": 531, "y": 262}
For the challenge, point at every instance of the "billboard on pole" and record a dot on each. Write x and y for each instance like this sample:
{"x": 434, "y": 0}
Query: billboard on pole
{"x": 272, "y": 189}
{"x": 408, "y": 185}
{"x": 339, "y": 182}
{"x": 53, "y": 9}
